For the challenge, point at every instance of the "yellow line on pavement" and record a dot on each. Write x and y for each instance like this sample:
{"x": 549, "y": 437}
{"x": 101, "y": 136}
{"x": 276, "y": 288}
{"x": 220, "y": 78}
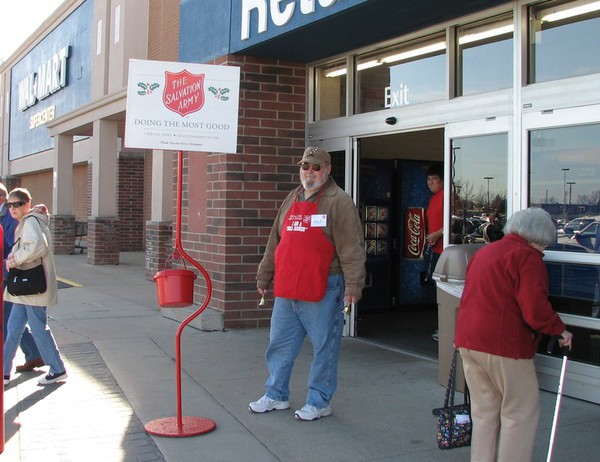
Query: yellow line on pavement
{"x": 66, "y": 281}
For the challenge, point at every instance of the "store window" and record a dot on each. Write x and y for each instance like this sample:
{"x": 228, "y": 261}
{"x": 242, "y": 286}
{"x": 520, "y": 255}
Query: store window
{"x": 564, "y": 169}
{"x": 403, "y": 75}
{"x": 478, "y": 188}
{"x": 575, "y": 289}
{"x": 564, "y": 39}
{"x": 485, "y": 56}
{"x": 330, "y": 92}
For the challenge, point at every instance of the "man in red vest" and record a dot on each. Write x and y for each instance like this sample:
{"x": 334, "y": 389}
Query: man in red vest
{"x": 435, "y": 219}
{"x": 315, "y": 256}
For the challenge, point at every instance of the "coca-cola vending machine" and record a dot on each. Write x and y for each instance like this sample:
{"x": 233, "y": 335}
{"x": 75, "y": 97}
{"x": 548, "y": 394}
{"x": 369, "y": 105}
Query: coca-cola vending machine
{"x": 376, "y": 185}
{"x": 393, "y": 199}
{"x": 412, "y": 202}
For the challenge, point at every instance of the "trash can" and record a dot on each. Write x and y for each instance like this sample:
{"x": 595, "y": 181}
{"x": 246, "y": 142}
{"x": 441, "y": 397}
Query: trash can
{"x": 449, "y": 276}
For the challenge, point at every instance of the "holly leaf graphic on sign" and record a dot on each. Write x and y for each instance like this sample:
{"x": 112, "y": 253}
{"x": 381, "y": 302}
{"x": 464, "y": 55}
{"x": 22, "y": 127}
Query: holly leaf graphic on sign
{"x": 147, "y": 88}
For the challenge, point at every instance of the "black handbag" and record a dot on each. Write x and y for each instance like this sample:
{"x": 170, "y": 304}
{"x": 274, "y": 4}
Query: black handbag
{"x": 26, "y": 282}
{"x": 454, "y": 425}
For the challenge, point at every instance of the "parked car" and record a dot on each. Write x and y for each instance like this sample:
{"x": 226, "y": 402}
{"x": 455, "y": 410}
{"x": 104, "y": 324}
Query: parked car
{"x": 589, "y": 237}
{"x": 465, "y": 230}
{"x": 576, "y": 224}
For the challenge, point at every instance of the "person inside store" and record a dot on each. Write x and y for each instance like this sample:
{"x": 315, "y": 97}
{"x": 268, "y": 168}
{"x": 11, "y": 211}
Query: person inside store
{"x": 504, "y": 311}
{"x": 315, "y": 257}
{"x": 31, "y": 248}
{"x": 435, "y": 210}
{"x": 492, "y": 230}
{"x": 33, "y": 357}
{"x": 434, "y": 217}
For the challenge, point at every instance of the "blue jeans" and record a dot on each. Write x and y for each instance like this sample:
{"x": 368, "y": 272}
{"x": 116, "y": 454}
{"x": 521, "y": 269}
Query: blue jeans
{"x": 38, "y": 322}
{"x": 27, "y": 343}
{"x": 291, "y": 321}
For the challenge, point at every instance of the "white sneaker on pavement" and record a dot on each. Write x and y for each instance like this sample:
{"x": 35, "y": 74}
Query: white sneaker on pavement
{"x": 52, "y": 378}
{"x": 266, "y": 404}
{"x": 310, "y": 412}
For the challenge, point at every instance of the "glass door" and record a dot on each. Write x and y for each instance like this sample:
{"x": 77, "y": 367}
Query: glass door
{"x": 478, "y": 190}
{"x": 343, "y": 171}
{"x": 561, "y": 155}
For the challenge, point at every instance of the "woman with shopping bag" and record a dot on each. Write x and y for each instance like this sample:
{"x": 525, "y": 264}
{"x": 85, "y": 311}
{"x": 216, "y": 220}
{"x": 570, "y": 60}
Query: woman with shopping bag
{"x": 31, "y": 250}
{"x": 503, "y": 313}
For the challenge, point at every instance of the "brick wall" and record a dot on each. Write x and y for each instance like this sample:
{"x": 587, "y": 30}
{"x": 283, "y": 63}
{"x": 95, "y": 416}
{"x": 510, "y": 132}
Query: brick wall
{"x": 81, "y": 202}
{"x": 163, "y": 41}
{"x": 11, "y": 182}
{"x": 147, "y": 186}
{"x": 39, "y": 186}
{"x": 244, "y": 190}
{"x": 130, "y": 201}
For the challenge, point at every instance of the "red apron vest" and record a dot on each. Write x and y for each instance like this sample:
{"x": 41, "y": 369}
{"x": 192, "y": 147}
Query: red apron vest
{"x": 304, "y": 254}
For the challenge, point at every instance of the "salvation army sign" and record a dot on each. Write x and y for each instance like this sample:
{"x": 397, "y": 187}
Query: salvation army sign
{"x": 182, "y": 106}
{"x": 185, "y": 100}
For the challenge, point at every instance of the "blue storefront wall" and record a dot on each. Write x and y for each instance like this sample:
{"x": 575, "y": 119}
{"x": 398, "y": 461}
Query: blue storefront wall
{"x": 75, "y": 32}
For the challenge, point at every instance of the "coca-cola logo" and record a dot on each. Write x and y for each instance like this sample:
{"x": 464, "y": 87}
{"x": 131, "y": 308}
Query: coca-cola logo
{"x": 414, "y": 232}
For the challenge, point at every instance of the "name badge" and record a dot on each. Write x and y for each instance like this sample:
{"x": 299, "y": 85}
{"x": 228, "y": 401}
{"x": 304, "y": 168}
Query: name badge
{"x": 318, "y": 221}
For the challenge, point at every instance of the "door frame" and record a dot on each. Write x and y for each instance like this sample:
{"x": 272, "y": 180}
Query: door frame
{"x": 350, "y": 148}
{"x": 472, "y": 128}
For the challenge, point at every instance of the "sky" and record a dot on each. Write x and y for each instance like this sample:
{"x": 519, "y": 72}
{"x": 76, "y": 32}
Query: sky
{"x": 19, "y": 19}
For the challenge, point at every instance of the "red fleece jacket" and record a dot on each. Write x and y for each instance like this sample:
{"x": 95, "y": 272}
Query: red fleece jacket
{"x": 504, "y": 307}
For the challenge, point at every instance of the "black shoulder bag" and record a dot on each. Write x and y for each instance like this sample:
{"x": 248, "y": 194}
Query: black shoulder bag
{"x": 26, "y": 282}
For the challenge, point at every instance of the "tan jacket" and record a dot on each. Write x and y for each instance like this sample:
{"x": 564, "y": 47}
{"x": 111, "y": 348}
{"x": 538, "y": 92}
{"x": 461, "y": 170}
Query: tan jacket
{"x": 32, "y": 245}
{"x": 344, "y": 231}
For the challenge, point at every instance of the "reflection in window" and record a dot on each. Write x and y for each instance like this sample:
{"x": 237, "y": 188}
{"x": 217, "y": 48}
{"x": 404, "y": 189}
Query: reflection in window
{"x": 338, "y": 167}
{"x": 564, "y": 169}
{"x": 485, "y": 56}
{"x": 330, "y": 94}
{"x": 574, "y": 289}
{"x": 586, "y": 345}
{"x": 564, "y": 40}
{"x": 479, "y": 179}
{"x": 408, "y": 74}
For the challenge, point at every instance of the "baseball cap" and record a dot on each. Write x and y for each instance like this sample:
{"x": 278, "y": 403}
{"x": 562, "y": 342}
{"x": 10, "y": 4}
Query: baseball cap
{"x": 316, "y": 156}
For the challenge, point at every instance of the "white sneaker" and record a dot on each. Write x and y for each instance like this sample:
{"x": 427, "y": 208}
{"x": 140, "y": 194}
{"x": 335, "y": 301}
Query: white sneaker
{"x": 52, "y": 378}
{"x": 309, "y": 412}
{"x": 266, "y": 404}
{"x": 6, "y": 379}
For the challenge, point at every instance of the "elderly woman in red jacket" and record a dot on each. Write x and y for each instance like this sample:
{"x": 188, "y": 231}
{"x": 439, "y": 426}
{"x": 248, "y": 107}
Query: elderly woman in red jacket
{"x": 503, "y": 312}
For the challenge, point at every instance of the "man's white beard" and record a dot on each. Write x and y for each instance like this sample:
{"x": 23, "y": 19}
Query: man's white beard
{"x": 311, "y": 184}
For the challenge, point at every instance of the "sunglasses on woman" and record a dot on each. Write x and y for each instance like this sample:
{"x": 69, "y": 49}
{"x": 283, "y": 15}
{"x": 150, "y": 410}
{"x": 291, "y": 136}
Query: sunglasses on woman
{"x": 15, "y": 205}
{"x": 307, "y": 165}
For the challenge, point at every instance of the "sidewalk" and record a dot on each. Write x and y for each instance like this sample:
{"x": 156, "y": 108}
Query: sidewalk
{"x": 119, "y": 353}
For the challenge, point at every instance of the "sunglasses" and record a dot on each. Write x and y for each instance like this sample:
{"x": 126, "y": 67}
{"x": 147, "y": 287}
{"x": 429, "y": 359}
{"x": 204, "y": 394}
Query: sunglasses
{"x": 306, "y": 166}
{"x": 15, "y": 205}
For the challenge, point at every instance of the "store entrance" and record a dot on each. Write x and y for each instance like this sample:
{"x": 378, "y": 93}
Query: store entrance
{"x": 398, "y": 307}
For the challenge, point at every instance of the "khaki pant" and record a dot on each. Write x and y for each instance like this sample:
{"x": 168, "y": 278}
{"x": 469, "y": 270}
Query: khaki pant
{"x": 504, "y": 406}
